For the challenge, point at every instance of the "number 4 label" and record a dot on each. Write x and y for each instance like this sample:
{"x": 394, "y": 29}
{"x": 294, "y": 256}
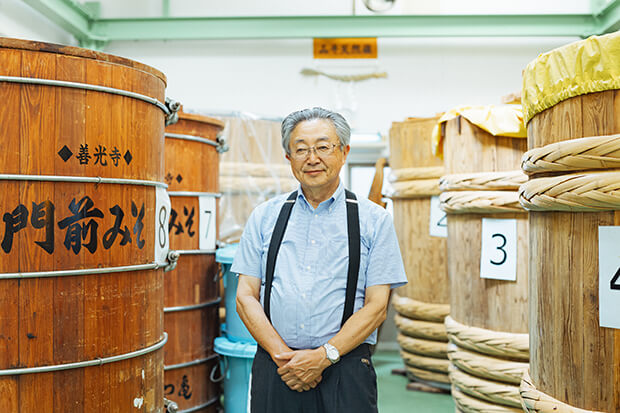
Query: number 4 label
{"x": 207, "y": 223}
{"x": 498, "y": 255}
{"x": 609, "y": 276}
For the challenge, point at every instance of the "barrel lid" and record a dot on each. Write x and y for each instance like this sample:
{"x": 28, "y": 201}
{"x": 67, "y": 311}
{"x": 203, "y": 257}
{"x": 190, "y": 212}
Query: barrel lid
{"x": 225, "y": 347}
{"x": 226, "y": 255}
{"x": 9, "y": 43}
{"x": 587, "y": 66}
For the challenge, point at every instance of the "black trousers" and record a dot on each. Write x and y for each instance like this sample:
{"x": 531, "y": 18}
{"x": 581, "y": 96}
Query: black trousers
{"x": 347, "y": 386}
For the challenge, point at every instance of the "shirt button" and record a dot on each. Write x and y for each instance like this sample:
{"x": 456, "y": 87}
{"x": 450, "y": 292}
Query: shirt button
{"x": 308, "y": 268}
{"x": 313, "y": 241}
{"x": 303, "y": 295}
{"x": 301, "y": 326}
{"x": 315, "y": 215}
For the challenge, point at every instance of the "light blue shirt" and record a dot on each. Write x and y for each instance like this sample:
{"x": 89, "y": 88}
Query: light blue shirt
{"x": 310, "y": 277}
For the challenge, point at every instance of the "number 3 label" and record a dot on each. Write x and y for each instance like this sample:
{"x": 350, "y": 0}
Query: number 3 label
{"x": 498, "y": 255}
{"x": 162, "y": 219}
{"x": 609, "y": 276}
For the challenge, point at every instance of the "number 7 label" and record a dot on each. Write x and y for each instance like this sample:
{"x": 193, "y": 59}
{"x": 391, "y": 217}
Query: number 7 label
{"x": 609, "y": 276}
{"x": 207, "y": 224}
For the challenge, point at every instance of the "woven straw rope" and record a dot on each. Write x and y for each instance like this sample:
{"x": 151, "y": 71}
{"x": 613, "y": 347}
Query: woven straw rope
{"x": 427, "y": 348}
{"x": 483, "y": 181}
{"x": 596, "y": 152}
{"x": 468, "y": 404}
{"x": 419, "y": 310}
{"x": 421, "y": 329}
{"x": 580, "y": 192}
{"x": 487, "y": 367}
{"x": 414, "y": 373}
{"x": 493, "y": 343}
{"x": 480, "y": 202}
{"x": 415, "y": 189}
{"x": 535, "y": 401}
{"x": 412, "y": 174}
{"x": 494, "y": 392}
{"x": 425, "y": 363}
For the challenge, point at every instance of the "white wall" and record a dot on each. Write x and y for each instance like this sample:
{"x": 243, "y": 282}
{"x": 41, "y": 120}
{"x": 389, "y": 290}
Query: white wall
{"x": 425, "y": 76}
{"x": 19, "y": 20}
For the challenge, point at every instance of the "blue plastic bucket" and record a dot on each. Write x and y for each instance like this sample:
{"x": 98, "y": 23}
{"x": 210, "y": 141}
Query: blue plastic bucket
{"x": 236, "y": 367}
{"x": 235, "y": 329}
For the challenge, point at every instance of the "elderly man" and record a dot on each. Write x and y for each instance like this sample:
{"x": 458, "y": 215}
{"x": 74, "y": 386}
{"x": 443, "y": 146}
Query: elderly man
{"x": 315, "y": 271}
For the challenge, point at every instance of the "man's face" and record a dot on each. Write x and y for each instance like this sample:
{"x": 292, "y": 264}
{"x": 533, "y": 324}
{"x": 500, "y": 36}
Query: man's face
{"x": 316, "y": 171}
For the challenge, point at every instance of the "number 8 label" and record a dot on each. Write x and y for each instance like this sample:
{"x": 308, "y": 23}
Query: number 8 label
{"x": 498, "y": 254}
{"x": 162, "y": 219}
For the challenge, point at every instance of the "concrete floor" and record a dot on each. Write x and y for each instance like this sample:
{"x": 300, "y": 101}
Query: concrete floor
{"x": 395, "y": 398}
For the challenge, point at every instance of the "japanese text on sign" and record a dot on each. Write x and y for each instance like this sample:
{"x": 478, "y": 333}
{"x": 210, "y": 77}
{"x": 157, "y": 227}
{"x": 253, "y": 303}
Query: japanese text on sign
{"x": 345, "y": 48}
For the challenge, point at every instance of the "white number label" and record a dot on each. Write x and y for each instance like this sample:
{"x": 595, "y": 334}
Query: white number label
{"x": 609, "y": 276}
{"x": 162, "y": 219}
{"x": 439, "y": 220}
{"x": 498, "y": 255}
{"x": 207, "y": 222}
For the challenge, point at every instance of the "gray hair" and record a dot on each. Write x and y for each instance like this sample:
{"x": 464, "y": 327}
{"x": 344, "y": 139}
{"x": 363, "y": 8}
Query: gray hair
{"x": 343, "y": 130}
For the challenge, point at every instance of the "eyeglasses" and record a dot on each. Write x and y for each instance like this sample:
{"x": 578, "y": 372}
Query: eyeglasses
{"x": 322, "y": 150}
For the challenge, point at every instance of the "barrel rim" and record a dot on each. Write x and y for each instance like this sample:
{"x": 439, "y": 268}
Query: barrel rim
{"x": 196, "y": 117}
{"x": 37, "y": 46}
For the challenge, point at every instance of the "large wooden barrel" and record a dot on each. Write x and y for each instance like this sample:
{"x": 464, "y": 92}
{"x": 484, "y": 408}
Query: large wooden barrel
{"x": 573, "y": 194}
{"x": 252, "y": 171}
{"x": 81, "y": 290}
{"x": 191, "y": 290}
{"x": 488, "y": 322}
{"x": 422, "y": 304}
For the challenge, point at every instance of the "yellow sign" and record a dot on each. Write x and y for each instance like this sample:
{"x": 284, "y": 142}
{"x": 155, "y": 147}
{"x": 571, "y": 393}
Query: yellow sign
{"x": 343, "y": 48}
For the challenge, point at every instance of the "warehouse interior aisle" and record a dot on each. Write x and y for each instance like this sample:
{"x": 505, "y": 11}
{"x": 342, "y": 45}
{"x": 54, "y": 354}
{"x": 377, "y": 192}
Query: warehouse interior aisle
{"x": 393, "y": 395}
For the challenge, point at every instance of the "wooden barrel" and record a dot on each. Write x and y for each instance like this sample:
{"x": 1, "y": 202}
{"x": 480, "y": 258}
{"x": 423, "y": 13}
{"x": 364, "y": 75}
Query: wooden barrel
{"x": 415, "y": 178}
{"x": 252, "y": 171}
{"x": 191, "y": 290}
{"x": 485, "y": 310}
{"x": 81, "y": 292}
{"x": 574, "y": 316}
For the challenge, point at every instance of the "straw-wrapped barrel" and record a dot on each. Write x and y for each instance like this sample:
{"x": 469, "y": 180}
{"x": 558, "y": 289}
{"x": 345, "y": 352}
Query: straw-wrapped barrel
{"x": 191, "y": 290}
{"x": 422, "y": 304}
{"x": 571, "y": 98}
{"x": 83, "y": 235}
{"x": 488, "y": 322}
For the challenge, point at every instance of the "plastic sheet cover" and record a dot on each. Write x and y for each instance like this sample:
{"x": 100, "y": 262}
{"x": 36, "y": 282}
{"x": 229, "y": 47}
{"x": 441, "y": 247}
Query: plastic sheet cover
{"x": 498, "y": 120}
{"x": 253, "y": 170}
{"x": 587, "y": 66}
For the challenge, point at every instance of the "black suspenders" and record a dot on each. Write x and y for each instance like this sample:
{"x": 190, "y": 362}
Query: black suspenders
{"x": 353, "y": 229}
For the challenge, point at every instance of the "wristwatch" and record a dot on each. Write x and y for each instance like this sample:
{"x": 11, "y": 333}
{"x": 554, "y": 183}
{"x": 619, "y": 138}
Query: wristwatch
{"x": 332, "y": 353}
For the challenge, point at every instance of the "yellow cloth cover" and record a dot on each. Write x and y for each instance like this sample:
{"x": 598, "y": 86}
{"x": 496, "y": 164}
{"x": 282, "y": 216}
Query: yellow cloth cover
{"x": 587, "y": 66}
{"x": 498, "y": 120}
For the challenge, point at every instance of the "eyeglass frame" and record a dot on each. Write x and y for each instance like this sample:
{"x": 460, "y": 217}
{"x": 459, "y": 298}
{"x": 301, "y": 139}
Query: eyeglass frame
{"x": 313, "y": 148}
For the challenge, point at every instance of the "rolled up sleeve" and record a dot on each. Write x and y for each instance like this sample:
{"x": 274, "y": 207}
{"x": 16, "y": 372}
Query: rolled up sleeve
{"x": 248, "y": 257}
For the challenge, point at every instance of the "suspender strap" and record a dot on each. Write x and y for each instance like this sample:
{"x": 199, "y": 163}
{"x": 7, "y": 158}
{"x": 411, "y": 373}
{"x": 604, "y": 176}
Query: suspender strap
{"x": 274, "y": 247}
{"x": 353, "y": 228}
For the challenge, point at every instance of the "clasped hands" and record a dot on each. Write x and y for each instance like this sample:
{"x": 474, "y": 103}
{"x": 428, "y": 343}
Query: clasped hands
{"x": 301, "y": 370}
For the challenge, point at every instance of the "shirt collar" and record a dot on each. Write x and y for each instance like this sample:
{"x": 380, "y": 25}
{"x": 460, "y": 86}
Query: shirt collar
{"x": 337, "y": 195}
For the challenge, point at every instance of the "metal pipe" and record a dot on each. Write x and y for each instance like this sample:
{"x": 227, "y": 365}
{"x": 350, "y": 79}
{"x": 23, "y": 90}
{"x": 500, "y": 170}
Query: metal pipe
{"x": 187, "y": 193}
{"x": 194, "y": 252}
{"x": 191, "y": 138}
{"x": 89, "y": 363}
{"x": 190, "y": 363}
{"x": 81, "y": 179}
{"x": 192, "y": 307}
{"x": 86, "y": 271}
{"x": 86, "y": 86}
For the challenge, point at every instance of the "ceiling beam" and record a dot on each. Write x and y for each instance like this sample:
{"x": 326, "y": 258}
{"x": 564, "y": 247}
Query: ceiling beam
{"x": 70, "y": 15}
